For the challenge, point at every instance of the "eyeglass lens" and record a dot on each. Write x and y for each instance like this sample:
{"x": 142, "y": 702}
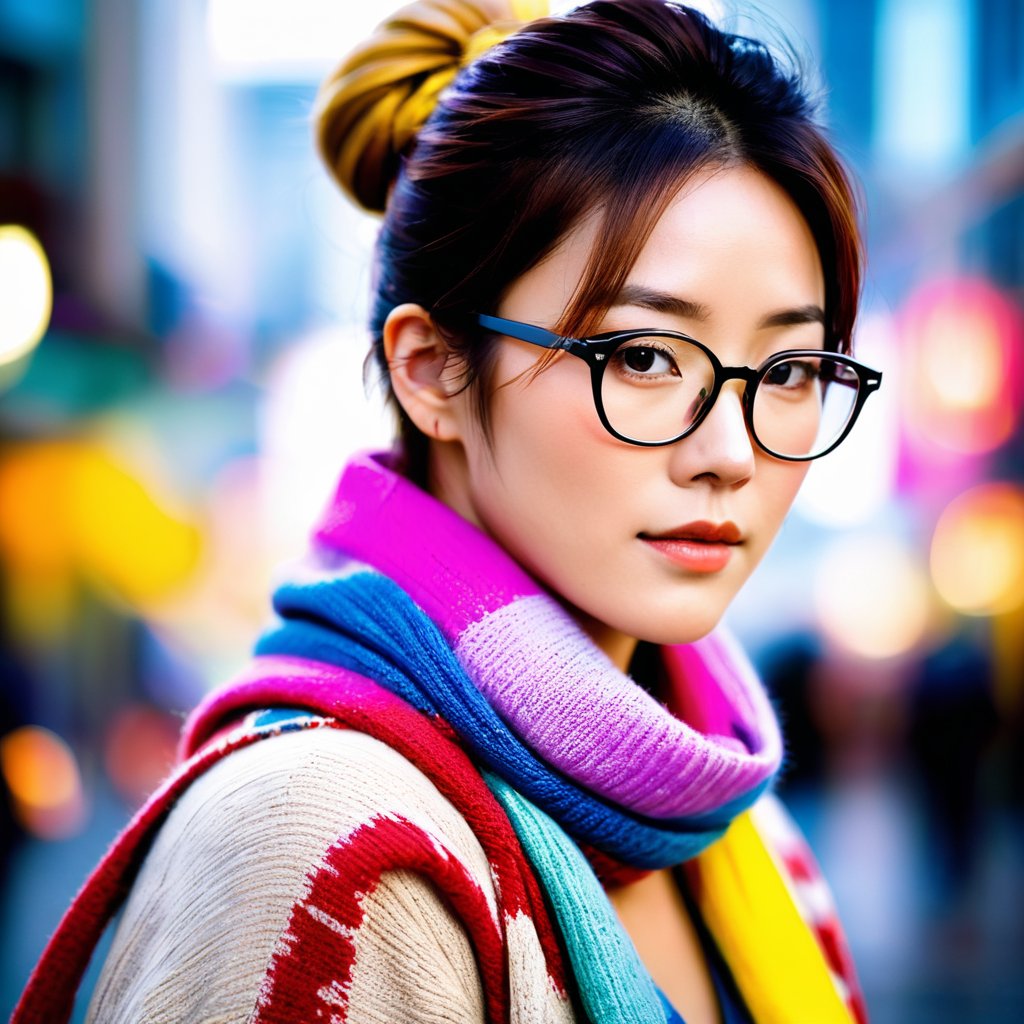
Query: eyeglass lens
{"x": 654, "y": 388}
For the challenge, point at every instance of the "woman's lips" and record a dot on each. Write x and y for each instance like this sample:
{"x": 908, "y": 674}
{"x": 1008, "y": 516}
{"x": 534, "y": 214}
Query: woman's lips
{"x": 697, "y": 547}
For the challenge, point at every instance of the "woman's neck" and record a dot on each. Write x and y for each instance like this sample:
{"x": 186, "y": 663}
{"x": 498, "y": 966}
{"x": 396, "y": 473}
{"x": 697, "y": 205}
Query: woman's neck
{"x": 619, "y": 647}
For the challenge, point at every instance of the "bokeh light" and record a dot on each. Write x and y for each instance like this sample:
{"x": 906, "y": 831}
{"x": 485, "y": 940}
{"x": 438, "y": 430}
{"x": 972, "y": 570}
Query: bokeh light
{"x": 72, "y": 510}
{"x": 963, "y": 386}
{"x": 43, "y": 778}
{"x": 139, "y": 750}
{"x": 977, "y": 550}
{"x": 26, "y": 292}
{"x": 34, "y": 538}
{"x": 126, "y": 538}
{"x": 263, "y": 39}
{"x": 212, "y": 622}
{"x": 316, "y": 413}
{"x": 872, "y": 596}
{"x": 36, "y": 545}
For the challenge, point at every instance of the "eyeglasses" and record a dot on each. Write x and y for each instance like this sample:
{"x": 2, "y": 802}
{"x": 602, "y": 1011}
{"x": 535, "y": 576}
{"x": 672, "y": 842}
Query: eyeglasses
{"x": 654, "y": 387}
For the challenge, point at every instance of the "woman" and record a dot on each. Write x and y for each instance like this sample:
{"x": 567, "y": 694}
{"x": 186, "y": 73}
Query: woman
{"x": 496, "y": 761}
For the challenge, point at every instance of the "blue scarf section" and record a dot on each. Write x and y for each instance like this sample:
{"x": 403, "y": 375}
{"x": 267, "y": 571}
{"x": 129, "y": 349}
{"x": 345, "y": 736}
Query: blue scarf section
{"x": 366, "y": 623}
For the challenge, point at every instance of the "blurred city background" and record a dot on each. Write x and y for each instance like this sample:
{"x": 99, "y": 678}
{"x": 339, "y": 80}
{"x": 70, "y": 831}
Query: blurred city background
{"x": 182, "y": 298}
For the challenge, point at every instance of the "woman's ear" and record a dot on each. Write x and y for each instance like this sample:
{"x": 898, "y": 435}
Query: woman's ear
{"x": 424, "y": 372}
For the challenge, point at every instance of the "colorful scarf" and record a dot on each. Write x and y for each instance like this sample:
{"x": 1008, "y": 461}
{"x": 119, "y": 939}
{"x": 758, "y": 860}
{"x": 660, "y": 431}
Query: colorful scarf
{"x": 589, "y": 769}
{"x": 401, "y": 589}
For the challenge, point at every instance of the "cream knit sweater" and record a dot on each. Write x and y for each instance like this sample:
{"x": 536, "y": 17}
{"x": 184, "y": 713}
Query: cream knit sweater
{"x": 229, "y": 882}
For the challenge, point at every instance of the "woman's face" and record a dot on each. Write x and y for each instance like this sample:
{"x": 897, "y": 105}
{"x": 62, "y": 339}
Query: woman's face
{"x": 606, "y": 525}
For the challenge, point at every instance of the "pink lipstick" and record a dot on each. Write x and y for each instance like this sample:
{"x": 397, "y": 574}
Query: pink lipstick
{"x": 701, "y": 547}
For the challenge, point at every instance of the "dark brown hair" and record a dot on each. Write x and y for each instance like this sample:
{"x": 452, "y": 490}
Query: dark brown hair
{"x": 605, "y": 110}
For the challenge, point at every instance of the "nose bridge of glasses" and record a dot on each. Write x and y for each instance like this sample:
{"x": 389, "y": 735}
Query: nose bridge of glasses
{"x": 744, "y": 373}
{"x": 746, "y": 376}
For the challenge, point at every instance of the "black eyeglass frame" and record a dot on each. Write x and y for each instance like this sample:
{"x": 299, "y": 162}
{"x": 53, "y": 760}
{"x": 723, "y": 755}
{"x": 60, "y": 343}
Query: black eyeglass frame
{"x": 595, "y": 352}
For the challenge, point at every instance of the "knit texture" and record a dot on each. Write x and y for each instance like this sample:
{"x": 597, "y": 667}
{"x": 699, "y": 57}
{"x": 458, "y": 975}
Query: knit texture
{"x": 470, "y": 783}
{"x": 403, "y": 590}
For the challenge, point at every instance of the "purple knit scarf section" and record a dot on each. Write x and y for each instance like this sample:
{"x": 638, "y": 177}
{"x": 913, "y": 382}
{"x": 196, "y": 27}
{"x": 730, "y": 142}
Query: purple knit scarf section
{"x": 714, "y": 741}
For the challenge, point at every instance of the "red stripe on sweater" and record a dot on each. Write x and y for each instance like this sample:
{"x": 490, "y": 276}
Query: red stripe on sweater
{"x": 311, "y": 971}
{"x": 361, "y": 704}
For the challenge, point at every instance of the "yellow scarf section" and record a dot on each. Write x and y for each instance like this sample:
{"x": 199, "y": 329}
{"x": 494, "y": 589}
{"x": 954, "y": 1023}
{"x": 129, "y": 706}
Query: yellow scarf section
{"x": 750, "y": 909}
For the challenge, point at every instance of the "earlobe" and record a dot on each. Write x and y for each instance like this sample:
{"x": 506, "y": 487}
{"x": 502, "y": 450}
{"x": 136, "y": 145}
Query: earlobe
{"x": 422, "y": 372}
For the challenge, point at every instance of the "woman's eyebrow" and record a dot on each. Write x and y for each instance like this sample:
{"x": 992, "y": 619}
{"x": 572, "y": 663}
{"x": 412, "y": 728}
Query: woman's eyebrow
{"x": 663, "y": 302}
{"x": 809, "y": 314}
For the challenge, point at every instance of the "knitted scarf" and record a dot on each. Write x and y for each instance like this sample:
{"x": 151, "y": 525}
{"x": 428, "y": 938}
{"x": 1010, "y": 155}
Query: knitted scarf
{"x": 584, "y": 761}
{"x": 401, "y": 589}
{"x": 410, "y": 624}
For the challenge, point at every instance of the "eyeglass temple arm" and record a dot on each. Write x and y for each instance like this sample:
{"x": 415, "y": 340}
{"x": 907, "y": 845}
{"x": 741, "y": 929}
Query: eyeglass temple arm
{"x": 867, "y": 380}
{"x": 525, "y": 332}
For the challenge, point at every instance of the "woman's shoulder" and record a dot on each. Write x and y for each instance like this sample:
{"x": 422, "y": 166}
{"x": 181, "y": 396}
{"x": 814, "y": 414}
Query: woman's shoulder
{"x": 305, "y": 867}
{"x": 316, "y": 786}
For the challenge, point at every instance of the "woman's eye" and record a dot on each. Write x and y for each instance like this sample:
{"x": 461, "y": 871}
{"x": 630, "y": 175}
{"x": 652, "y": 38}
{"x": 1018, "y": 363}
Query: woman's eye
{"x": 646, "y": 360}
{"x": 790, "y": 374}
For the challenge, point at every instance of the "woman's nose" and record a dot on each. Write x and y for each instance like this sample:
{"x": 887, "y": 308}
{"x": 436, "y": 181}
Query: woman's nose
{"x": 721, "y": 449}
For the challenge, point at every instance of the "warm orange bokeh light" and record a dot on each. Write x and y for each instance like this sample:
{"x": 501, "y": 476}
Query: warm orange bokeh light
{"x": 872, "y": 597}
{"x": 34, "y": 534}
{"x": 963, "y": 376}
{"x": 977, "y": 552}
{"x": 140, "y": 750}
{"x": 42, "y": 775}
{"x": 125, "y": 539}
{"x": 72, "y": 508}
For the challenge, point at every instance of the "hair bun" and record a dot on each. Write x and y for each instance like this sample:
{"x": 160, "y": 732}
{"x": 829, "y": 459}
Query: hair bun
{"x": 376, "y": 101}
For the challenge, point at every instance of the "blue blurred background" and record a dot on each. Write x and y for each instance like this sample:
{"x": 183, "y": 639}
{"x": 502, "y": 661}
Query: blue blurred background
{"x": 182, "y": 295}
